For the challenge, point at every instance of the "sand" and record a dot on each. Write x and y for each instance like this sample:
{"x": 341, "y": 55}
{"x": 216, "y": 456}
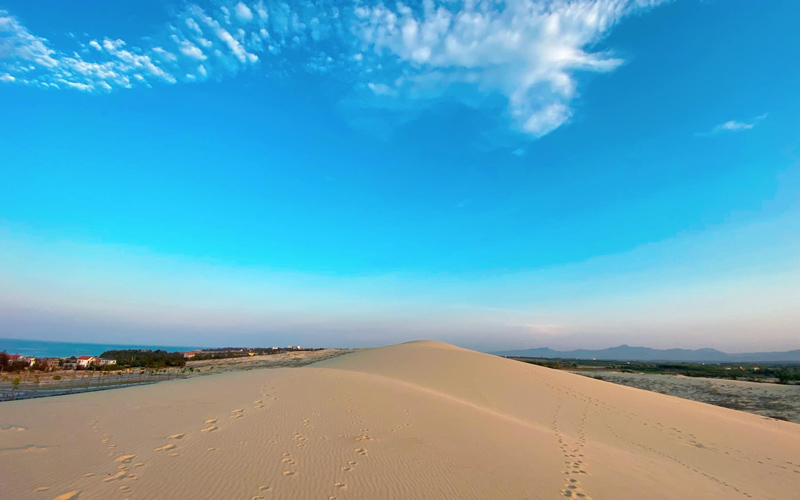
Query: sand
{"x": 422, "y": 420}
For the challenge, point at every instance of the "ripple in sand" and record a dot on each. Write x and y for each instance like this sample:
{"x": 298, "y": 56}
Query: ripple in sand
{"x": 72, "y": 495}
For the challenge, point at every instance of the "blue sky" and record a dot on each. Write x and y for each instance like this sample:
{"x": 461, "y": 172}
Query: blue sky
{"x": 497, "y": 175}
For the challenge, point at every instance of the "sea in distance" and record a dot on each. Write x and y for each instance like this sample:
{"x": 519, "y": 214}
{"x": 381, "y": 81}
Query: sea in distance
{"x": 48, "y": 349}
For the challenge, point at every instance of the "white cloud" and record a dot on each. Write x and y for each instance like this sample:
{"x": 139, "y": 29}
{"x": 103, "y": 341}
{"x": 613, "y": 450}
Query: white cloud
{"x": 29, "y": 59}
{"x": 737, "y": 126}
{"x": 529, "y": 52}
{"x": 381, "y": 89}
{"x": 191, "y": 50}
{"x": 232, "y": 44}
{"x": 243, "y": 12}
{"x": 192, "y": 24}
{"x": 7, "y": 78}
{"x": 261, "y": 9}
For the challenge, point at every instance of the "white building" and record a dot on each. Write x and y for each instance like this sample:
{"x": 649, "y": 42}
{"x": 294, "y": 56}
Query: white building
{"x": 85, "y": 361}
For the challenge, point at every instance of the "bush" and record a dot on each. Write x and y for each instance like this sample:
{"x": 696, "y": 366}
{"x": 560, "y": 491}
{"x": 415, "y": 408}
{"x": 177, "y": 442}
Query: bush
{"x": 145, "y": 358}
{"x": 57, "y": 377}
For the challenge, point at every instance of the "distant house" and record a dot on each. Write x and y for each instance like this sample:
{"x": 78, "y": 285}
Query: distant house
{"x": 85, "y": 361}
{"x": 105, "y": 362}
{"x": 19, "y": 358}
{"x": 189, "y": 354}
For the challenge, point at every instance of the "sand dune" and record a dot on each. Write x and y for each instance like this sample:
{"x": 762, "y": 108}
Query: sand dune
{"x": 422, "y": 420}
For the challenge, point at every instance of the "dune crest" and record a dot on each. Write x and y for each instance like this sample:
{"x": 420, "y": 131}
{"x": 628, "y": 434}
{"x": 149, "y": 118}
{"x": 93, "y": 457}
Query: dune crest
{"x": 420, "y": 420}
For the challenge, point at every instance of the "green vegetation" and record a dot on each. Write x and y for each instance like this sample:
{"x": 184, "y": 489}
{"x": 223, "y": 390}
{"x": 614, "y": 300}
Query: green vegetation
{"x": 783, "y": 374}
{"x": 240, "y": 352}
{"x": 144, "y": 358}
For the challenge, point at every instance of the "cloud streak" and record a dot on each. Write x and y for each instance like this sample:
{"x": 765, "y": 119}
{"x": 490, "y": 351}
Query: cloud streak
{"x": 395, "y": 56}
{"x": 736, "y": 126}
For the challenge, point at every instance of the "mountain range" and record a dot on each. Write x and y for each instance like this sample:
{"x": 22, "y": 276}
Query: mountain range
{"x": 630, "y": 353}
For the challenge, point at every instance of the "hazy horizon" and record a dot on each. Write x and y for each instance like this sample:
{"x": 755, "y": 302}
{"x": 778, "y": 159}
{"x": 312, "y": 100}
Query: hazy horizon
{"x": 547, "y": 174}
{"x": 3, "y": 344}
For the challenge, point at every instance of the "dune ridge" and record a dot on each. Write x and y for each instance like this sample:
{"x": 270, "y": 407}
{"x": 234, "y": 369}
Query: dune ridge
{"x": 417, "y": 420}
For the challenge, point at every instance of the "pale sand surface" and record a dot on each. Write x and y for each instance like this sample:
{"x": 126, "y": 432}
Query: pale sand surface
{"x": 284, "y": 359}
{"x": 421, "y": 420}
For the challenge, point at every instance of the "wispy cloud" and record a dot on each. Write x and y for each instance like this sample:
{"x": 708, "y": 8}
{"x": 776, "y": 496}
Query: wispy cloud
{"x": 736, "y": 126}
{"x": 395, "y": 56}
{"x": 527, "y": 51}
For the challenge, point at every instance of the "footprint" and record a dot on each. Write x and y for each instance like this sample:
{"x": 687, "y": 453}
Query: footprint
{"x": 41, "y": 489}
{"x": 288, "y": 461}
{"x": 13, "y": 428}
{"x": 264, "y": 488}
{"x": 124, "y": 459}
{"x": 346, "y": 468}
{"x": 361, "y": 451}
{"x": 341, "y": 486}
{"x": 237, "y": 410}
{"x": 165, "y": 447}
{"x": 288, "y": 473}
{"x": 210, "y": 428}
{"x": 211, "y": 421}
{"x": 238, "y": 415}
{"x": 116, "y": 477}
{"x": 257, "y": 402}
{"x": 139, "y": 464}
{"x": 72, "y": 495}
{"x": 177, "y": 436}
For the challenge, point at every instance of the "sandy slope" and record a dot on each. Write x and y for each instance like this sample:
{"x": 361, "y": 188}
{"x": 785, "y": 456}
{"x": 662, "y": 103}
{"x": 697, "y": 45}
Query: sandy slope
{"x": 421, "y": 420}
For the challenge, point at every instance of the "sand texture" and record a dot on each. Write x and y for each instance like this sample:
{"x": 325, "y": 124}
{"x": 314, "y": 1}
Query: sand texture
{"x": 422, "y": 420}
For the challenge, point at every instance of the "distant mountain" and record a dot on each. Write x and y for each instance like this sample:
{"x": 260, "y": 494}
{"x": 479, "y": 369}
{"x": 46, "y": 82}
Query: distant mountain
{"x": 630, "y": 353}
